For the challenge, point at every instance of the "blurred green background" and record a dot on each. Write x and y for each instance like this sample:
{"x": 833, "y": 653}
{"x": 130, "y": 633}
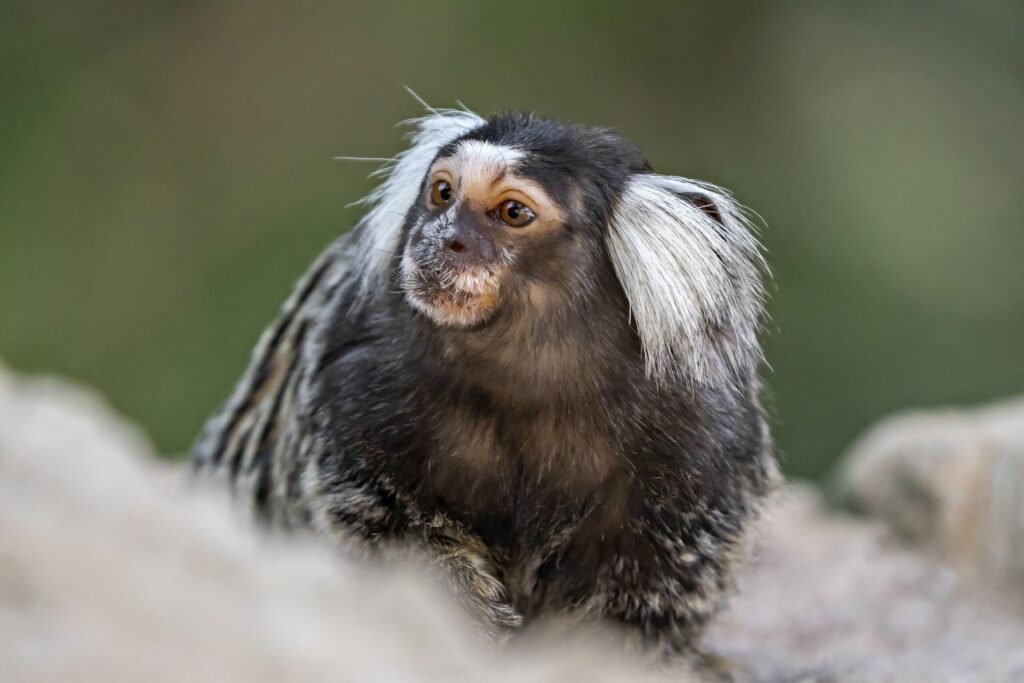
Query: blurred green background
{"x": 166, "y": 173}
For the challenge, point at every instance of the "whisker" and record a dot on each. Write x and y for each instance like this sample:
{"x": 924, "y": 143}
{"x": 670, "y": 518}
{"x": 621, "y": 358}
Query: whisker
{"x": 420, "y": 100}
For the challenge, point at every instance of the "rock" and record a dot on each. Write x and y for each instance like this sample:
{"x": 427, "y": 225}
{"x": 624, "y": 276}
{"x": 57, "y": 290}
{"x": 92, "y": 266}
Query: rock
{"x": 949, "y": 480}
{"x": 830, "y": 597}
{"x": 113, "y": 568}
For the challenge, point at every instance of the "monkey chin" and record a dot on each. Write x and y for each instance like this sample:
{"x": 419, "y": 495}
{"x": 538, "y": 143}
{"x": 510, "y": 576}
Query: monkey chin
{"x": 459, "y": 298}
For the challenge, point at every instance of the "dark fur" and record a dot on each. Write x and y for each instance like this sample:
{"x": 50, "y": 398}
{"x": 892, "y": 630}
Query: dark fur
{"x": 530, "y": 456}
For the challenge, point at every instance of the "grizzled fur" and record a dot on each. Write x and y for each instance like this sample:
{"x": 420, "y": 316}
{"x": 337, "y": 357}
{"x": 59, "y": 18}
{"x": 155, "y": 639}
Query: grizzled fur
{"x": 539, "y": 459}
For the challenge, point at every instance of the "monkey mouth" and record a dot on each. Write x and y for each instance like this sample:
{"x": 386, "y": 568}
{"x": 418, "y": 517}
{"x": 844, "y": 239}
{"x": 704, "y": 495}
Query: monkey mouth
{"x": 450, "y": 295}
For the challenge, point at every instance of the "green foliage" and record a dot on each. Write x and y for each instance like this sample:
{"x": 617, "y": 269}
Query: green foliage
{"x": 166, "y": 173}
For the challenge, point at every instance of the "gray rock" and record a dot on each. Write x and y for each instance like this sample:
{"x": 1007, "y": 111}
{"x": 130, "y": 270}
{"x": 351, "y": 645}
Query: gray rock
{"x": 113, "y": 569}
{"x": 951, "y": 481}
{"x": 830, "y": 597}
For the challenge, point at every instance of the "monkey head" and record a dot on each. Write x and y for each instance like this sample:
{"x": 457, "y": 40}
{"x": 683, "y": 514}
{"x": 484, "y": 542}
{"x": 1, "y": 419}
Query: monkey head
{"x": 517, "y": 216}
{"x": 506, "y": 217}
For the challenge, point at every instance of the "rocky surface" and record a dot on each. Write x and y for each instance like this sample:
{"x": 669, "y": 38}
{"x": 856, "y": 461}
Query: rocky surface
{"x": 113, "y": 568}
{"x": 833, "y": 598}
{"x": 951, "y": 481}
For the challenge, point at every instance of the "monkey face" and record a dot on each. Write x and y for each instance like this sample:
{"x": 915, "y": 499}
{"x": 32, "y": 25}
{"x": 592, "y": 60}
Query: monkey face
{"x": 475, "y": 223}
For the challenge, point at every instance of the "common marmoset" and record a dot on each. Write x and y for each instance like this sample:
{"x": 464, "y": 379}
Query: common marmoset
{"x": 536, "y": 360}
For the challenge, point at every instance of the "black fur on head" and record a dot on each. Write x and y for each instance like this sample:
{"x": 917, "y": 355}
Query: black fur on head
{"x": 584, "y": 169}
{"x": 610, "y": 240}
{"x": 521, "y": 303}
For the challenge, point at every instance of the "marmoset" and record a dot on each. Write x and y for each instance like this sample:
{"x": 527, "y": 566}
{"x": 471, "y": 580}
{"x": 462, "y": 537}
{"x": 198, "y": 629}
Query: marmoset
{"x": 534, "y": 360}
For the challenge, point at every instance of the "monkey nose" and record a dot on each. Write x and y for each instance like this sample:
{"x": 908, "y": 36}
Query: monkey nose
{"x": 468, "y": 246}
{"x": 455, "y": 245}
{"x": 466, "y": 240}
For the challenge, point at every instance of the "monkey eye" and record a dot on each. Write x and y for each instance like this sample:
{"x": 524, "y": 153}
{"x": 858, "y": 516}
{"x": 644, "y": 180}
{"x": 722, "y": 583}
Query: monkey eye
{"x": 513, "y": 213}
{"x": 440, "y": 192}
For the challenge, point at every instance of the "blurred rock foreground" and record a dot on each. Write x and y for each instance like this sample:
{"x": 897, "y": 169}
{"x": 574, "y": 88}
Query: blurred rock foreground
{"x": 113, "y": 569}
{"x": 952, "y": 481}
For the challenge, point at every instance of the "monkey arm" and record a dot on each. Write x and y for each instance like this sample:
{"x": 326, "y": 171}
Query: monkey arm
{"x": 670, "y": 582}
{"x": 662, "y": 575}
{"x": 465, "y": 562}
{"x": 372, "y": 516}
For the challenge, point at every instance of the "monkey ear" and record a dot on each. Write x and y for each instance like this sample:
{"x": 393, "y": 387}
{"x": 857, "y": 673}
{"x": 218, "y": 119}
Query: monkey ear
{"x": 705, "y": 202}
{"x": 690, "y": 267}
{"x": 378, "y": 234}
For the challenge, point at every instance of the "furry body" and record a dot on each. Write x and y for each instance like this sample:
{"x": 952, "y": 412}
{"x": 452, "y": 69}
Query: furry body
{"x": 551, "y": 436}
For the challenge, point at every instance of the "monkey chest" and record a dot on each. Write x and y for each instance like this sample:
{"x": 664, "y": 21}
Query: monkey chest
{"x": 521, "y": 474}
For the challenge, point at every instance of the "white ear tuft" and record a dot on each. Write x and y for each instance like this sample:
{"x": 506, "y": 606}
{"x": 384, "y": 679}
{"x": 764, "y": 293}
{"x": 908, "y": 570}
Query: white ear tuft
{"x": 691, "y": 269}
{"x": 379, "y": 232}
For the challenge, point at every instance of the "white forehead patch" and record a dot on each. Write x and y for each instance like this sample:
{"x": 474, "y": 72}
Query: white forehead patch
{"x": 476, "y": 162}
